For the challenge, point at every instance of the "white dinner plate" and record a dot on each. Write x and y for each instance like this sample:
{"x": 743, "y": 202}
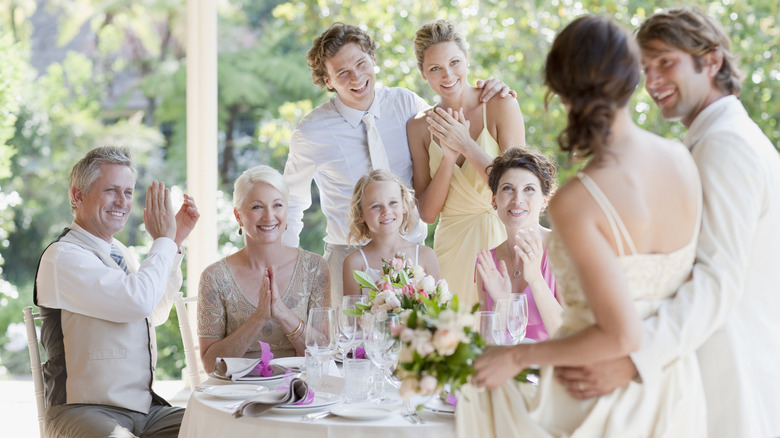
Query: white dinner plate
{"x": 294, "y": 363}
{"x": 439, "y": 406}
{"x": 322, "y": 400}
{"x": 234, "y": 392}
{"x": 363, "y": 411}
{"x": 259, "y": 379}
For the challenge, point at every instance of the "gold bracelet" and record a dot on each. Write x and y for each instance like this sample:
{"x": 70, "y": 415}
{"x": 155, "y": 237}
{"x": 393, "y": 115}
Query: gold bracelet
{"x": 295, "y": 332}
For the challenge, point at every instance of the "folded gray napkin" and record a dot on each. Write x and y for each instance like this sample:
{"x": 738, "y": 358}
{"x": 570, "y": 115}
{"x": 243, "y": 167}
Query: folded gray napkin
{"x": 236, "y": 368}
{"x": 260, "y": 403}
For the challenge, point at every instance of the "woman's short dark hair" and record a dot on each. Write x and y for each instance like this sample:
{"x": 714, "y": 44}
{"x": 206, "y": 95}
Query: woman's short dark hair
{"x": 521, "y": 158}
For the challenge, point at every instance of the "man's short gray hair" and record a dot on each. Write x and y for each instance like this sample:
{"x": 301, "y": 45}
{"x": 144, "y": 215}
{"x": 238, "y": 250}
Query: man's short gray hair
{"x": 87, "y": 170}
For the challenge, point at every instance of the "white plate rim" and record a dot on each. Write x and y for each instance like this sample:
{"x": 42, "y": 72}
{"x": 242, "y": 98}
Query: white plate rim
{"x": 440, "y": 407}
{"x": 290, "y": 362}
{"x": 247, "y": 378}
{"x": 239, "y": 391}
{"x": 330, "y": 400}
{"x": 343, "y": 410}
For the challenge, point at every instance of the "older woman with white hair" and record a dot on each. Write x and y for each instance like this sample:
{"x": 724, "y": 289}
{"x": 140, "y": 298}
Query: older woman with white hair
{"x": 262, "y": 292}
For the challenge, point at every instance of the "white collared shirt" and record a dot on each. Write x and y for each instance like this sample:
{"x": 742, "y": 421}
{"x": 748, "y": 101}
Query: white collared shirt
{"x": 329, "y": 146}
{"x": 73, "y": 278}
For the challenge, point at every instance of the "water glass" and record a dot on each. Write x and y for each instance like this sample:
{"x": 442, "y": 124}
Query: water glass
{"x": 383, "y": 348}
{"x": 357, "y": 380}
{"x": 515, "y": 315}
{"x": 349, "y": 326}
{"x": 486, "y": 323}
{"x": 321, "y": 334}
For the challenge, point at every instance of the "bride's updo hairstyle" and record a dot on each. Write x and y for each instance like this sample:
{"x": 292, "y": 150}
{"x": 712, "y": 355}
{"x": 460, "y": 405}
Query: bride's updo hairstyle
{"x": 593, "y": 66}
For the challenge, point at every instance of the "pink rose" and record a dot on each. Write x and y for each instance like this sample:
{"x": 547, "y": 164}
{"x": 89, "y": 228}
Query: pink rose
{"x": 408, "y": 290}
{"x": 397, "y": 263}
{"x": 428, "y": 385}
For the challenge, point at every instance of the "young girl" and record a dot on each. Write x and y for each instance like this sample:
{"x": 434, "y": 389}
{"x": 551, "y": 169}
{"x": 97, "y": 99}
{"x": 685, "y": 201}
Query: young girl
{"x": 382, "y": 212}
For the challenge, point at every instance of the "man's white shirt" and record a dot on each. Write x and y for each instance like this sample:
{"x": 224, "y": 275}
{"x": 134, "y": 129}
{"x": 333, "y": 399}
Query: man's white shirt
{"x": 330, "y": 146}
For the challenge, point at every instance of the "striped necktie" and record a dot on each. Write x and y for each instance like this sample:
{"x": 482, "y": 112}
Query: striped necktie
{"x": 376, "y": 150}
{"x": 116, "y": 255}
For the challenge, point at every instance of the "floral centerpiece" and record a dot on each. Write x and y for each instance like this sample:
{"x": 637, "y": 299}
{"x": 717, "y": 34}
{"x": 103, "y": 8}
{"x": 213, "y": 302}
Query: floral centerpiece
{"x": 438, "y": 346}
{"x": 402, "y": 286}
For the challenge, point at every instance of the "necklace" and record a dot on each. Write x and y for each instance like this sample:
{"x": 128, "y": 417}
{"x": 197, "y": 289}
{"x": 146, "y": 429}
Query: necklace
{"x": 517, "y": 273}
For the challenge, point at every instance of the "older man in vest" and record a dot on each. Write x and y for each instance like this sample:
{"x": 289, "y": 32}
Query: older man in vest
{"x": 99, "y": 306}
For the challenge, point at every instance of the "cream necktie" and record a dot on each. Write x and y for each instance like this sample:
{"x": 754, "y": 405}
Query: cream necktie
{"x": 376, "y": 150}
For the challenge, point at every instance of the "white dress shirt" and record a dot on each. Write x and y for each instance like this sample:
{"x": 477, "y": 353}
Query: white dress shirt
{"x": 330, "y": 146}
{"x": 69, "y": 275}
{"x": 728, "y": 312}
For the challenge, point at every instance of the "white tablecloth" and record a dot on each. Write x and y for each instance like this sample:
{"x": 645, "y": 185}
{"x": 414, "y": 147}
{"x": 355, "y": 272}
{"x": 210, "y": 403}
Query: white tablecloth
{"x": 206, "y": 417}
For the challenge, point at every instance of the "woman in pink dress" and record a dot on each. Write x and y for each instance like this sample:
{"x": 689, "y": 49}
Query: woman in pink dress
{"x": 522, "y": 182}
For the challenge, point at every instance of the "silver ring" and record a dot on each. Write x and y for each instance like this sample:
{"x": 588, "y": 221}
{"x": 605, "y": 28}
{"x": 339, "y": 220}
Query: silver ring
{"x": 531, "y": 252}
{"x": 581, "y": 386}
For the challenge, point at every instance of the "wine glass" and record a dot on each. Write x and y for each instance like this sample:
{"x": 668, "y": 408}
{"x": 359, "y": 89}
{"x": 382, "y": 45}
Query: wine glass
{"x": 348, "y": 323}
{"x": 322, "y": 334}
{"x": 515, "y": 314}
{"x": 382, "y": 347}
{"x": 486, "y": 323}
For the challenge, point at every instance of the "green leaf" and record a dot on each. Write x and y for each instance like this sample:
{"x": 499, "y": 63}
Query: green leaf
{"x": 528, "y": 375}
{"x": 364, "y": 280}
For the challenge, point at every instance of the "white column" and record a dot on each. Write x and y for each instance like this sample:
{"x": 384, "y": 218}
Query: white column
{"x": 202, "y": 135}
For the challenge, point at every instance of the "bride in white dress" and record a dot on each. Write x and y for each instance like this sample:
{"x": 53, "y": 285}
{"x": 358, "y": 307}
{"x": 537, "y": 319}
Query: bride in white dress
{"x": 623, "y": 240}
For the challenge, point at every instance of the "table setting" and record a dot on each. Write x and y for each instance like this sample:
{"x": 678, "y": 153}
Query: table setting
{"x": 404, "y": 351}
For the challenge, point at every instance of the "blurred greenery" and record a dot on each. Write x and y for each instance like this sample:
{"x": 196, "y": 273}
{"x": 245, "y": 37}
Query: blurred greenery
{"x": 49, "y": 118}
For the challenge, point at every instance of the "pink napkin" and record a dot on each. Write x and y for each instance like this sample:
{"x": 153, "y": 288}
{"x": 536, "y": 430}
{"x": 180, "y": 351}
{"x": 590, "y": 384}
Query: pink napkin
{"x": 264, "y": 368}
{"x": 360, "y": 353}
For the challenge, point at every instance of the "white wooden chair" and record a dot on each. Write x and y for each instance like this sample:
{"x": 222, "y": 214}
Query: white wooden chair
{"x": 35, "y": 364}
{"x": 194, "y": 371}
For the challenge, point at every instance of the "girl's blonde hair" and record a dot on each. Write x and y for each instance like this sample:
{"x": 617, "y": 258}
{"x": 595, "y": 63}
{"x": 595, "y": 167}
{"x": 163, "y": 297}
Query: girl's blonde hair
{"x": 358, "y": 230}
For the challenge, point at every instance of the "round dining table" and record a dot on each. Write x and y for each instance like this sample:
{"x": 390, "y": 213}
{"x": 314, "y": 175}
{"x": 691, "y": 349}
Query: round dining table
{"x": 210, "y": 417}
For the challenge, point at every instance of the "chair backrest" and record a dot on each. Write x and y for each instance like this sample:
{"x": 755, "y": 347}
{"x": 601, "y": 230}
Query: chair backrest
{"x": 194, "y": 372}
{"x": 35, "y": 364}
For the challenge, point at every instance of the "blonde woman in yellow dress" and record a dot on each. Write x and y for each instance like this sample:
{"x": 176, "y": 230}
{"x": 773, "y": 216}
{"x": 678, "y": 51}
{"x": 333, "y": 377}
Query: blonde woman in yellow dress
{"x": 451, "y": 146}
{"x": 624, "y": 234}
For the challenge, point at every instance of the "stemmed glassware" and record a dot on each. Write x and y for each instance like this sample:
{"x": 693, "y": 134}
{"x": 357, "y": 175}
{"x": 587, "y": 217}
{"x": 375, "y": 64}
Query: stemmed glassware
{"x": 382, "y": 347}
{"x": 486, "y": 322}
{"x": 321, "y": 334}
{"x": 349, "y": 325}
{"x": 514, "y": 314}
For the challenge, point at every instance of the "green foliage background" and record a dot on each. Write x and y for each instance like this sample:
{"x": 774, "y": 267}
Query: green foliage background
{"x": 49, "y": 118}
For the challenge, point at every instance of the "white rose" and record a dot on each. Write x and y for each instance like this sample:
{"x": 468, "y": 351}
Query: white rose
{"x": 428, "y": 284}
{"x": 444, "y": 291}
{"x": 418, "y": 272}
{"x": 447, "y": 317}
{"x": 407, "y": 335}
{"x": 422, "y": 342}
{"x": 393, "y": 301}
{"x": 446, "y": 341}
{"x": 428, "y": 385}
